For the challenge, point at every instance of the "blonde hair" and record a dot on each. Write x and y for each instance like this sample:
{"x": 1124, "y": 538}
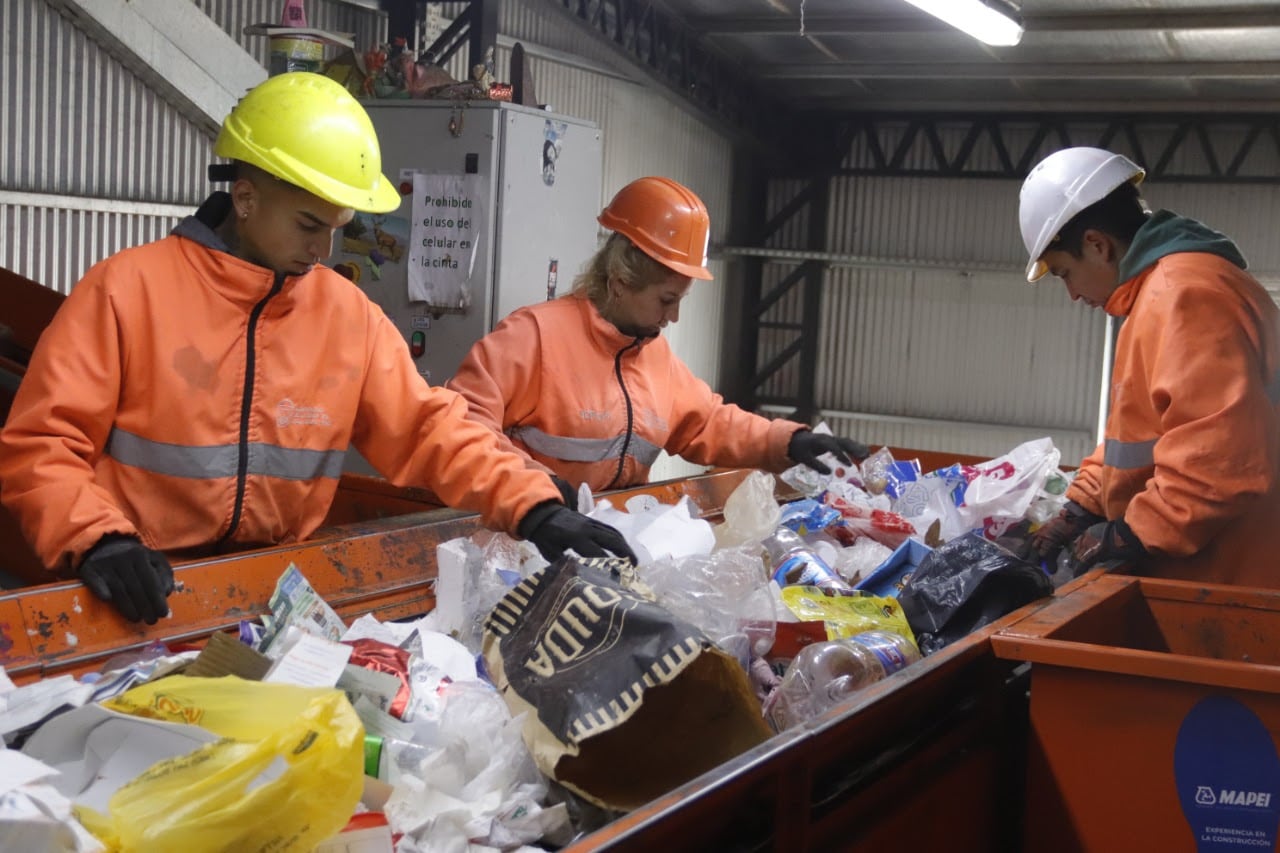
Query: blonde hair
{"x": 617, "y": 258}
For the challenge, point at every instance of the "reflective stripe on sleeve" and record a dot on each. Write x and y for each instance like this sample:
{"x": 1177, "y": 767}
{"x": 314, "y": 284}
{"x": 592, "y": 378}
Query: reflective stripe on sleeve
{"x": 1129, "y": 454}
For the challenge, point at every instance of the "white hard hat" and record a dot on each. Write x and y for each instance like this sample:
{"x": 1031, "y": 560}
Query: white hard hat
{"x": 1060, "y": 186}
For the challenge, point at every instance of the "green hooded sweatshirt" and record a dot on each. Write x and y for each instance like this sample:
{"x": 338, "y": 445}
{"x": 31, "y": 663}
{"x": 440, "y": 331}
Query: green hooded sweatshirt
{"x": 1166, "y": 233}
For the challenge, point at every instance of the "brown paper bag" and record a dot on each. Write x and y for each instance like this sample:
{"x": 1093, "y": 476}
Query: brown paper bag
{"x": 623, "y": 701}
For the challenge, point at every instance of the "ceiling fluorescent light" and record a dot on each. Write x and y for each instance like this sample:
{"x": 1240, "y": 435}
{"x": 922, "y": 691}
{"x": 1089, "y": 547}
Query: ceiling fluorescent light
{"x": 989, "y": 21}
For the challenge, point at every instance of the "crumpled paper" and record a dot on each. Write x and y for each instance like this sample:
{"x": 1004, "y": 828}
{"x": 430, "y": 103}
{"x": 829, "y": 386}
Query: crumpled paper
{"x": 33, "y": 814}
{"x": 479, "y": 787}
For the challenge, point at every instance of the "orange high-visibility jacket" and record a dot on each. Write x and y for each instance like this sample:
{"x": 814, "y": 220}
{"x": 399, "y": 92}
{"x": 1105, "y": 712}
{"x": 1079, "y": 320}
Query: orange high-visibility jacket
{"x": 193, "y": 399}
{"x": 1191, "y": 458}
{"x": 596, "y": 406}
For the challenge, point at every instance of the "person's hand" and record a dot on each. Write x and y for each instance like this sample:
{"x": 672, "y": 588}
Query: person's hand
{"x": 567, "y": 492}
{"x": 806, "y": 446}
{"x": 554, "y": 529}
{"x": 1108, "y": 542}
{"x": 1061, "y": 530}
{"x": 131, "y": 576}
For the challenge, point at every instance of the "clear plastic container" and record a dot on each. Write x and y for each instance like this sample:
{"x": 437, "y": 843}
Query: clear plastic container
{"x": 823, "y": 674}
{"x": 794, "y": 562}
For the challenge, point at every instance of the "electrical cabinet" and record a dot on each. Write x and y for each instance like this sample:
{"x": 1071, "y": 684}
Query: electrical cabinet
{"x": 513, "y": 195}
{"x": 499, "y": 211}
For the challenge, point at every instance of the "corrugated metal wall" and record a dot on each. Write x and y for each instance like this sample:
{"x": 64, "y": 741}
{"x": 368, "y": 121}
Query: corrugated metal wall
{"x": 91, "y": 159}
{"x": 933, "y": 339}
{"x": 97, "y": 133}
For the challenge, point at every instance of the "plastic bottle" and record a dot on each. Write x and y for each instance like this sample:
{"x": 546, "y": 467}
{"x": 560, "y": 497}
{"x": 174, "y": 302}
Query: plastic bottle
{"x": 823, "y": 674}
{"x": 390, "y": 759}
{"x": 794, "y": 562}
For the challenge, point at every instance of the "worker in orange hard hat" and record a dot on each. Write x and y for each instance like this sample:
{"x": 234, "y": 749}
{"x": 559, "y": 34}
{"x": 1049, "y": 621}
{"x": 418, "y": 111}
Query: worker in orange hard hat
{"x": 198, "y": 394}
{"x": 587, "y": 386}
{"x": 1187, "y": 482}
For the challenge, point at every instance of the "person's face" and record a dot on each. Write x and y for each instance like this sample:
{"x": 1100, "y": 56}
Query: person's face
{"x": 646, "y": 312}
{"x": 1093, "y": 276}
{"x": 284, "y": 228}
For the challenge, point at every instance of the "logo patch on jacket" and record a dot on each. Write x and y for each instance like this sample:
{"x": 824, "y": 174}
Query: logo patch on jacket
{"x": 290, "y": 413}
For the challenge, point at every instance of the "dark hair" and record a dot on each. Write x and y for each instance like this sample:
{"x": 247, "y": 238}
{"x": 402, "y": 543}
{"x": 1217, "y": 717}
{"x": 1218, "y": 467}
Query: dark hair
{"x": 1119, "y": 214}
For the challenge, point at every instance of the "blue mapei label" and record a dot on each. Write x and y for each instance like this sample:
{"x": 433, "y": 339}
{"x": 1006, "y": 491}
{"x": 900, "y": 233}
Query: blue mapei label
{"x": 1228, "y": 777}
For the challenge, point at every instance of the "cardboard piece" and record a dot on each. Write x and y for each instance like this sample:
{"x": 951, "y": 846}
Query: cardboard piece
{"x": 226, "y": 655}
{"x": 892, "y": 575}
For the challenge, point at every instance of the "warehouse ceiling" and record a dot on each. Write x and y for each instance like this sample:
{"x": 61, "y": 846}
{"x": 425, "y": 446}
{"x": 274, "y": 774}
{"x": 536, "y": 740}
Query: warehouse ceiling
{"x": 1075, "y": 56}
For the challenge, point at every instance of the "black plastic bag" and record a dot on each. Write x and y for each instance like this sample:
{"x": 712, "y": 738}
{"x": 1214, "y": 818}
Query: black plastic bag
{"x": 965, "y": 584}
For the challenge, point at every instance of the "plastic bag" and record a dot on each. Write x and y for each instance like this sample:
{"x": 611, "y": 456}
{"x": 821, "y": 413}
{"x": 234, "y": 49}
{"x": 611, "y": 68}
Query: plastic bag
{"x": 655, "y": 530}
{"x": 965, "y": 584}
{"x": 215, "y": 798}
{"x": 887, "y": 528}
{"x": 1006, "y": 486}
{"x": 846, "y": 615}
{"x": 723, "y": 594}
{"x": 750, "y": 513}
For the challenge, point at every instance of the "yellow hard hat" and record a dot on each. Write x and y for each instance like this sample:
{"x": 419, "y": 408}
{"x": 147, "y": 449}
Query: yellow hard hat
{"x": 308, "y": 130}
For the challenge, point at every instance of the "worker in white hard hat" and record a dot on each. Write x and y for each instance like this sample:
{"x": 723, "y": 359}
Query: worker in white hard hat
{"x": 1187, "y": 481}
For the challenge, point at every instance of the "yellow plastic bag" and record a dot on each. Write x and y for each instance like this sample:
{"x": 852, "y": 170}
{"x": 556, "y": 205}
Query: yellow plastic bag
{"x": 286, "y": 775}
{"x": 847, "y": 615}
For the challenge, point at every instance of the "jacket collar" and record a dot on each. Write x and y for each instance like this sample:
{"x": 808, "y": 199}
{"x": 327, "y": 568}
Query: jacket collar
{"x": 605, "y": 334}
{"x": 1165, "y": 233}
{"x": 235, "y": 279}
{"x": 1121, "y": 301}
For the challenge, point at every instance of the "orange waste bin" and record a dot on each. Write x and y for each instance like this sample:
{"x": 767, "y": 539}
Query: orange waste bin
{"x": 1155, "y": 717}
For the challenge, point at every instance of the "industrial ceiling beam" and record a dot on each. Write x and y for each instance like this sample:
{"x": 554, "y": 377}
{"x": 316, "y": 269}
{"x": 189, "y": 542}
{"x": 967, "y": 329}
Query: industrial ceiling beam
{"x": 851, "y": 25}
{"x": 1229, "y": 149}
{"x": 859, "y": 102}
{"x": 930, "y": 70}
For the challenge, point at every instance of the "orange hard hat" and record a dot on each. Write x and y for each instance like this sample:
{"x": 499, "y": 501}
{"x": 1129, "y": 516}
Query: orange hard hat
{"x": 665, "y": 220}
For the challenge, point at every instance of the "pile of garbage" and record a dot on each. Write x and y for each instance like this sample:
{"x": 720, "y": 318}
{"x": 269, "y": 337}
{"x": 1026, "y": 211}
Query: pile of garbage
{"x": 498, "y": 721}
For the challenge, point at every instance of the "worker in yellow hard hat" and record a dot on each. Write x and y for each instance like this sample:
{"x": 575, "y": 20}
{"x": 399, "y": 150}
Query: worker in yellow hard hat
{"x": 587, "y": 386}
{"x": 1186, "y": 483}
{"x": 198, "y": 394}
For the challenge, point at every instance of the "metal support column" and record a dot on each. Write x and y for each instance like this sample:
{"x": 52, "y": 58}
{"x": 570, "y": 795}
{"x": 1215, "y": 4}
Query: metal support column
{"x": 801, "y": 398}
{"x": 484, "y": 29}
{"x": 806, "y": 402}
{"x": 476, "y": 26}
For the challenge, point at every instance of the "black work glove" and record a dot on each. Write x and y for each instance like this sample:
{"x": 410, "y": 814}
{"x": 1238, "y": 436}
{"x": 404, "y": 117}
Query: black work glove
{"x": 137, "y": 580}
{"x": 806, "y": 446}
{"x": 1061, "y": 530}
{"x": 567, "y": 492}
{"x": 1109, "y": 542}
{"x": 554, "y": 528}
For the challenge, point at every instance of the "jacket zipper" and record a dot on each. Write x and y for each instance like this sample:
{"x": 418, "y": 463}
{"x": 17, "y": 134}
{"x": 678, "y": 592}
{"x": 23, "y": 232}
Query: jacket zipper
{"x": 626, "y": 442}
{"x": 251, "y": 358}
